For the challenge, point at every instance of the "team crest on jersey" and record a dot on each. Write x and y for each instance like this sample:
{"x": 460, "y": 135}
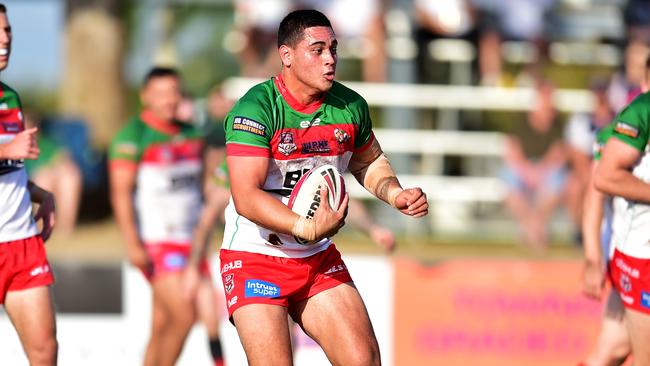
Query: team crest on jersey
{"x": 287, "y": 144}
{"x": 341, "y": 136}
{"x": 229, "y": 283}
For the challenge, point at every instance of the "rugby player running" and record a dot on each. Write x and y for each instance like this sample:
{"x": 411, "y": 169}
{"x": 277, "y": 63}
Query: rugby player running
{"x": 281, "y": 128}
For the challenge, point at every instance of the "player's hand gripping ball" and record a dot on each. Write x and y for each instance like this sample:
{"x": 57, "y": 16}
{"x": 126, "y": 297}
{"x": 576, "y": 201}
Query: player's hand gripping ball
{"x": 305, "y": 197}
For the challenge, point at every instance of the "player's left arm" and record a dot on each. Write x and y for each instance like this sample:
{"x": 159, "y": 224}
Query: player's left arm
{"x": 371, "y": 168}
{"x": 46, "y": 208}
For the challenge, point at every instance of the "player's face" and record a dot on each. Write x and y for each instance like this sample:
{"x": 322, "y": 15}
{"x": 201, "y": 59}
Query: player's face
{"x": 314, "y": 58}
{"x": 5, "y": 41}
{"x": 162, "y": 96}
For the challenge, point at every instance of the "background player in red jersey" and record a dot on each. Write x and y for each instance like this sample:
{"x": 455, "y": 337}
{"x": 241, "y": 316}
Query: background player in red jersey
{"x": 25, "y": 274}
{"x": 265, "y": 281}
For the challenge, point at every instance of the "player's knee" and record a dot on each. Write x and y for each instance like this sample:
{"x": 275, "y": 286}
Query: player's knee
{"x": 159, "y": 323}
{"x": 181, "y": 321}
{"x": 620, "y": 353}
{"x": 43, "y": 352}
{"x": 368, "y": 356}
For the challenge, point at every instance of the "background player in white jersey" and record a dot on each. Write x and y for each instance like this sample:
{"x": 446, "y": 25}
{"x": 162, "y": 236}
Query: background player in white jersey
{"x": 624, "y": 172}
{"x": 25, "y": 274}
{"x": 267, "y": 274}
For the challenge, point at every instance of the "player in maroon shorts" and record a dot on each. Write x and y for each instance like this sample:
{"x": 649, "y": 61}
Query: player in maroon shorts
{"x": 25, "y": 274}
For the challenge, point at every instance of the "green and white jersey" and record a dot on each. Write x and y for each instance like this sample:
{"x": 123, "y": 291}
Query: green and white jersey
{"x": 268, "y": 122}
{"x": 168, "y": 186}
{"x": 631, "y": 225}
{"x": 16, "y": 220}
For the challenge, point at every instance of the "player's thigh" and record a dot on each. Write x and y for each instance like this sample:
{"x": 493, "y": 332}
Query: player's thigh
{"x": 32, "y": 313}
{"x": 338, "y": 320}
{"x": 167, "y": 295}
{"x": 638, "y": 325}
{"x": 264, "y": 333}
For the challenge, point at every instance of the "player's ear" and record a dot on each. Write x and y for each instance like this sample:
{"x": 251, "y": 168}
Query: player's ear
{"x": 143, "y": 96}
{"x": 285, "y": 55}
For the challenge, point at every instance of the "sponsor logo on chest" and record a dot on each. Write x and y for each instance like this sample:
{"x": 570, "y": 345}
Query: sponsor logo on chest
{"x": 310, "y": 147}
{"x": 307, "y": 124}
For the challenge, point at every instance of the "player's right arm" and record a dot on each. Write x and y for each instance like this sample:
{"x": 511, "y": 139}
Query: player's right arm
{"x": 247, "y": 177}
{"x": 123, "y": 173}
{"x": 23, "y": 146}
{"x": 622, "y": 152}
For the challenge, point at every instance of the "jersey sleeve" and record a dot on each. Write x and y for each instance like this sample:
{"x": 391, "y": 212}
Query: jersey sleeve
{"x": 125, "y": 145}
{"x": 248, "y": 129}
{"x": 632, "y": 125}
{"x": 364, "y": 136}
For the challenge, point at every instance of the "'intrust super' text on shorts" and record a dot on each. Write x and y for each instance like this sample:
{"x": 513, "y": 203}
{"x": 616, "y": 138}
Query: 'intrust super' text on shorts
{"x": 251, "y": 278}
{"x": 631, "y": 278}
{"x": 23, "y": 265}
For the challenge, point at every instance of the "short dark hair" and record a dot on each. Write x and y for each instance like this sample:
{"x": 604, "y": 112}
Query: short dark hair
{"x": 294, "y": 24}
{"x": 3, "y": 8}
{"x": 159, "y": 72}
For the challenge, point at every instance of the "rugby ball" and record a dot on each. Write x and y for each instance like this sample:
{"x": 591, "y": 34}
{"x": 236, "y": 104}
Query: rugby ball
{"x": 305, "y": 196}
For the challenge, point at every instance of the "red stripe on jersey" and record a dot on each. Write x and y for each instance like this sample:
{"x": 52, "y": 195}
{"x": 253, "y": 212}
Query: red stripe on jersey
{"x": 122, "y": 164}
{"x": 365, "y": 147}
{"x": 323, "y": 140}
{"x": 293, "y": 102}
{"x": 233, "y": 149}
{"x": 170, "y": 152}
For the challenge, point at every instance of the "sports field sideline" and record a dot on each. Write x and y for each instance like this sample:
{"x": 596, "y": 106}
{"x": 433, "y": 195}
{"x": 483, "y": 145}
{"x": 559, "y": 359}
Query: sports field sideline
{"x": 101, "y": 242}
